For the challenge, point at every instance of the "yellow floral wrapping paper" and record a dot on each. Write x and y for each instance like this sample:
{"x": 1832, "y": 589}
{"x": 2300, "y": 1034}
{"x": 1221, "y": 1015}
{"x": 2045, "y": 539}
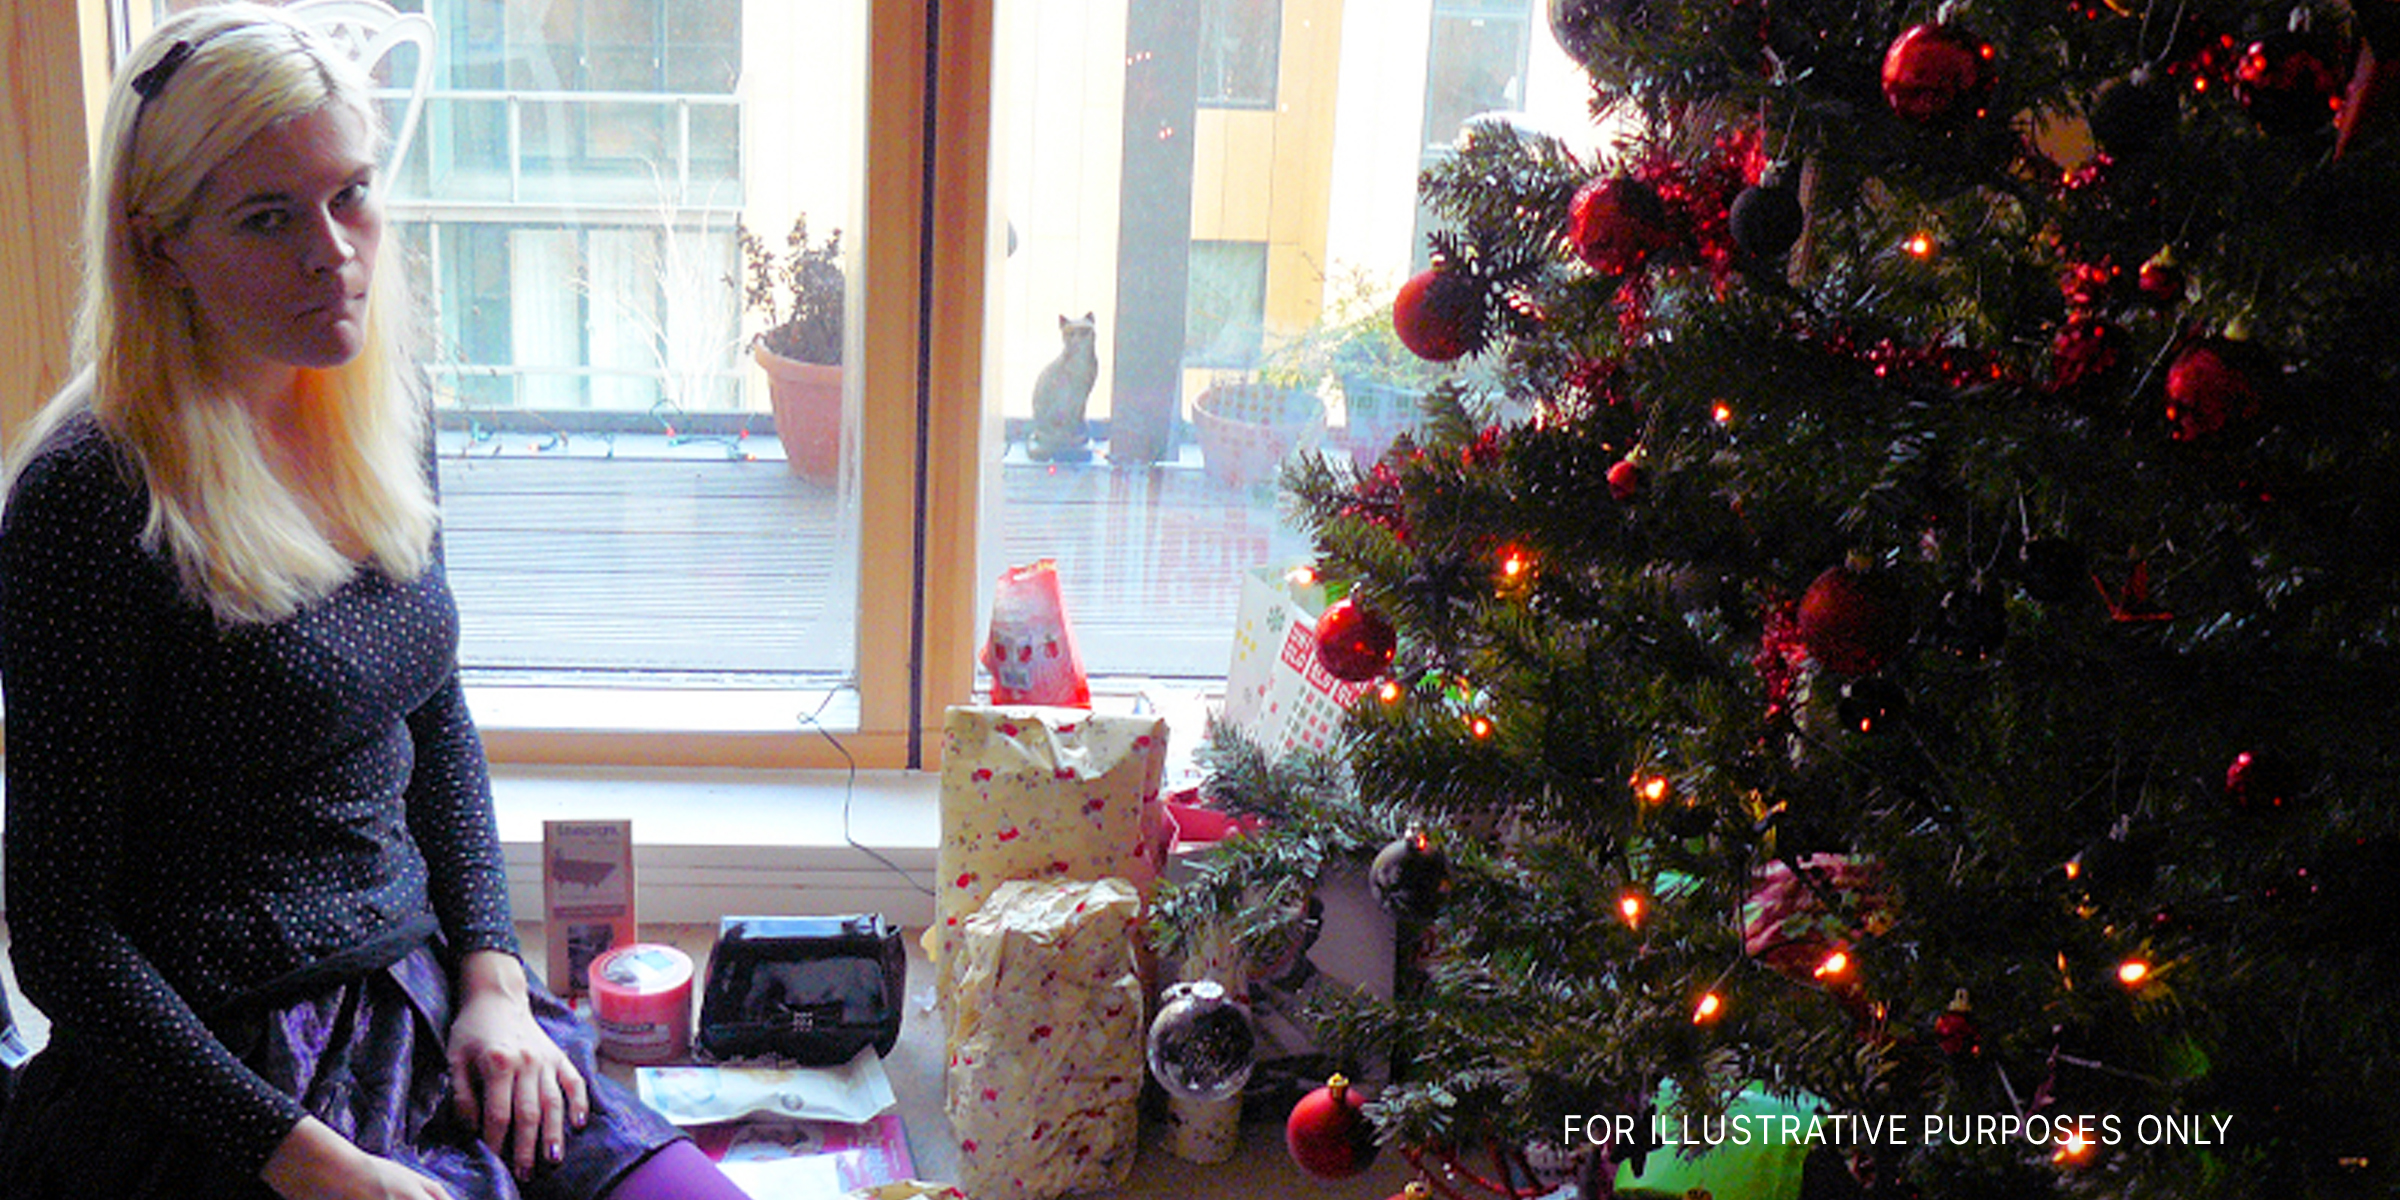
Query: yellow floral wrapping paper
{"x": 1045, "y": 1074}
{"x": 1046, "y": 794}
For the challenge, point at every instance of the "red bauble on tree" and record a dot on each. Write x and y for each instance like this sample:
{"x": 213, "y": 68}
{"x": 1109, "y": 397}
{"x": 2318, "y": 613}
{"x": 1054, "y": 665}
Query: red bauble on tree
{"x": 1935, "y": 74}
{"x": 1852, "y": 621}
{"x": 1328, "y": 1133}
{"x": 1615, "y": 224}
{"x": 1626, "y": 479}
{"x": 1438, "y": 315}
{"x": 2209, "y": 388}
{"x": 1355, "y": 643}
{"x": 1954, "y": 1030}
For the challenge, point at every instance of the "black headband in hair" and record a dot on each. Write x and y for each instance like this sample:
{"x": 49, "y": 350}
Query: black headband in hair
{"x": 154, "y": 77}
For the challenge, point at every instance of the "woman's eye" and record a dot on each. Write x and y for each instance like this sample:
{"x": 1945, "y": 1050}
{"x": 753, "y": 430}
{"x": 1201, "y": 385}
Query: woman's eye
{"x": 266, "y": 220}
{"x": 351, "y": 196}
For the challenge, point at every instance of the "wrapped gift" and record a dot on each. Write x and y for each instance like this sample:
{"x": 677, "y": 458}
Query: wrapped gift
{"x": 1276, "y": 692}
{"x": 1030, "y": 650}
{"x": 1043, "y": 794}
{"x": 1045, "y": 1075}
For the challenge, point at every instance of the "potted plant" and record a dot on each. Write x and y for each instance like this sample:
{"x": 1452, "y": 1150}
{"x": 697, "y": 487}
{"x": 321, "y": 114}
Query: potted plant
{"x": 1383, "y": 383}
{"x": 802, "y": 293}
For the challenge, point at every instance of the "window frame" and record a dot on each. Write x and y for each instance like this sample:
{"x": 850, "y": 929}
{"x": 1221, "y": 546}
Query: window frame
{"x": 921, "y": 358}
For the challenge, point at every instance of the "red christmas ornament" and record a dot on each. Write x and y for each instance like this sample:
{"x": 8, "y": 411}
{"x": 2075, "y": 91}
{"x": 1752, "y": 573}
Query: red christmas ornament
{"x": 1954, "y": 1030}
{"x": 1853, "y": 621}
{"x": 1438, "y": 315}
{"x": 1625, "y": 481}
{"x": 1936, "y": 73}
{"x": 2208, "y": 390}
{"x": 1328, "y": 1133}
{"x": 1617, "y": 223}
{"x": 1355, "y": 643}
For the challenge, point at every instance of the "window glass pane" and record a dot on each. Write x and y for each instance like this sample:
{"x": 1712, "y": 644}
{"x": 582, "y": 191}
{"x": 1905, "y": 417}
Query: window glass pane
{"x": 1237, "y": 54}
{"x": 619, "y": 499}
{"x": 1220, "y": 248}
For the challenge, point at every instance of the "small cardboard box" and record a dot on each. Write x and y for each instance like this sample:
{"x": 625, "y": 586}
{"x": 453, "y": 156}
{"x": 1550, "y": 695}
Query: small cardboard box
{"x": 587, "y": 897}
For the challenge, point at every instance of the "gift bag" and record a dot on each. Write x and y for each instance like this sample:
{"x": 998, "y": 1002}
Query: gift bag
{"x": 1030, "y": 650}
{"x": 1044, "y": 794}
{"x": 1276, "y": 693}
{"x": 1045, "y": 1078}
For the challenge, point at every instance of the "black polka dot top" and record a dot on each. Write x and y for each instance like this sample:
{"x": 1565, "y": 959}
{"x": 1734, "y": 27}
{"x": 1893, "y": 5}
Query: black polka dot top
{"x": 196, "y": 812}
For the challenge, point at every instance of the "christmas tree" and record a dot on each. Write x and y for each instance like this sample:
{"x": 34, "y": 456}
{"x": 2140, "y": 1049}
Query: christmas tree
{"x": 1907, "y": 622}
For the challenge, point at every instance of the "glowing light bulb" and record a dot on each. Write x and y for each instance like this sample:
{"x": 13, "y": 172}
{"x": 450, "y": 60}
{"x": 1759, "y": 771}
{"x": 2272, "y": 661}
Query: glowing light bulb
{"x": 2132, "y": 972}
{"x": 1836, "y": 965}
{"x": 2074, "y": 1149}
{"x": 1711, "y": 1006}
{"x": 1631, "y": 907}
{"x": 1390, "y": 692}
{"x": 1723, "y": 413}
{"x": 1655, "y": 789}
{"x": 1481, "y": 727}
{"x": 1919, "y": 245}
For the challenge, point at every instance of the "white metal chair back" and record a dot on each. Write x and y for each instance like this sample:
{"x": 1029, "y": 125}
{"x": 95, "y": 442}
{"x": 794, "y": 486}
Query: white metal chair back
{"x": 369, "y": 30}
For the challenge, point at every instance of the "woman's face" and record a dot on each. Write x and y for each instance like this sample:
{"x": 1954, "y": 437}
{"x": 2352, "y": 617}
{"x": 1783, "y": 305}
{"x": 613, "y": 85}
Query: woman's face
{"x": 281, "y": 247}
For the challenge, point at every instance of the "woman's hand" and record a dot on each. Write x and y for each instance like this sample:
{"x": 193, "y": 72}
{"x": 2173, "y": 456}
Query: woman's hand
{"x": 315, "y": 1163}
{"x": 507, "y": 1078}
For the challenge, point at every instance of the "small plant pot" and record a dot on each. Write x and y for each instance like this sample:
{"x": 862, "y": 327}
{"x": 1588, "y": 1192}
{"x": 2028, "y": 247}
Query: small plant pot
{"x": 807, "y": 400}
{"x": 1247, "y": 430}
{"x": 1374, "y": 414}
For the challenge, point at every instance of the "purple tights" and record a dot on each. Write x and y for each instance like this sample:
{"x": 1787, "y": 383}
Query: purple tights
{"x": 679, "y": 1172}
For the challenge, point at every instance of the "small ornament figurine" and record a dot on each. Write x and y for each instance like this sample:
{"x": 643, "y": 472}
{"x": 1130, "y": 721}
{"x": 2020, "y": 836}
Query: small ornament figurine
{"x": 1202, "y": 1044}
{"x": 1853, "y": 621}
{"x": 1438, "y": 315}
{"x": 1328, "y": 1133}
{"x": 1954, "y": 1030}
{"x": 1410, "y": 876}
{"x": 1936, "y": 74}
{"x": 1061, "y": 392}
{"x": 1355, "y": 643}
{"x": 1616, "y": 223}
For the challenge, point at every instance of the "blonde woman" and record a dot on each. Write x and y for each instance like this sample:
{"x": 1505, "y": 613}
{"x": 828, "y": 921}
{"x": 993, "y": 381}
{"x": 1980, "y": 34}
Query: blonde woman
{"x": 253, "y": 878}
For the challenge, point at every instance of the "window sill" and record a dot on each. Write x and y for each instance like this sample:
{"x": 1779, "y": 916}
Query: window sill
{"x": 714, "y": 841}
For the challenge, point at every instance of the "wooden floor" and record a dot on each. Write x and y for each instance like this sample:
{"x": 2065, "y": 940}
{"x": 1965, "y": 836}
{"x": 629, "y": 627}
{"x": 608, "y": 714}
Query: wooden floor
{"x": 701, "y": 561}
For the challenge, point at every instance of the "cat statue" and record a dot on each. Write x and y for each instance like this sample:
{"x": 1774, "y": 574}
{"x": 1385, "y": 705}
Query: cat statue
{"x": 1060, "y": 393}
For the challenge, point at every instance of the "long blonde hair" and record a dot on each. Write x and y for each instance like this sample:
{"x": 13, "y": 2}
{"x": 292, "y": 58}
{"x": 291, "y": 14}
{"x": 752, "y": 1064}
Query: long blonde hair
{"x": 242, "y": 540}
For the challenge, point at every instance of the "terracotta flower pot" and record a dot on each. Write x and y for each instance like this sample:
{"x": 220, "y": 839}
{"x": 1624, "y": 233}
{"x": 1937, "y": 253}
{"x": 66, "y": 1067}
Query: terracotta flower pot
{"x": 1246, "y": 430}
{"x": 807, "y": 399}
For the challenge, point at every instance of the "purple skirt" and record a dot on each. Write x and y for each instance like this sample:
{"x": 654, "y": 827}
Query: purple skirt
{"x": 364, "y": 1056}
